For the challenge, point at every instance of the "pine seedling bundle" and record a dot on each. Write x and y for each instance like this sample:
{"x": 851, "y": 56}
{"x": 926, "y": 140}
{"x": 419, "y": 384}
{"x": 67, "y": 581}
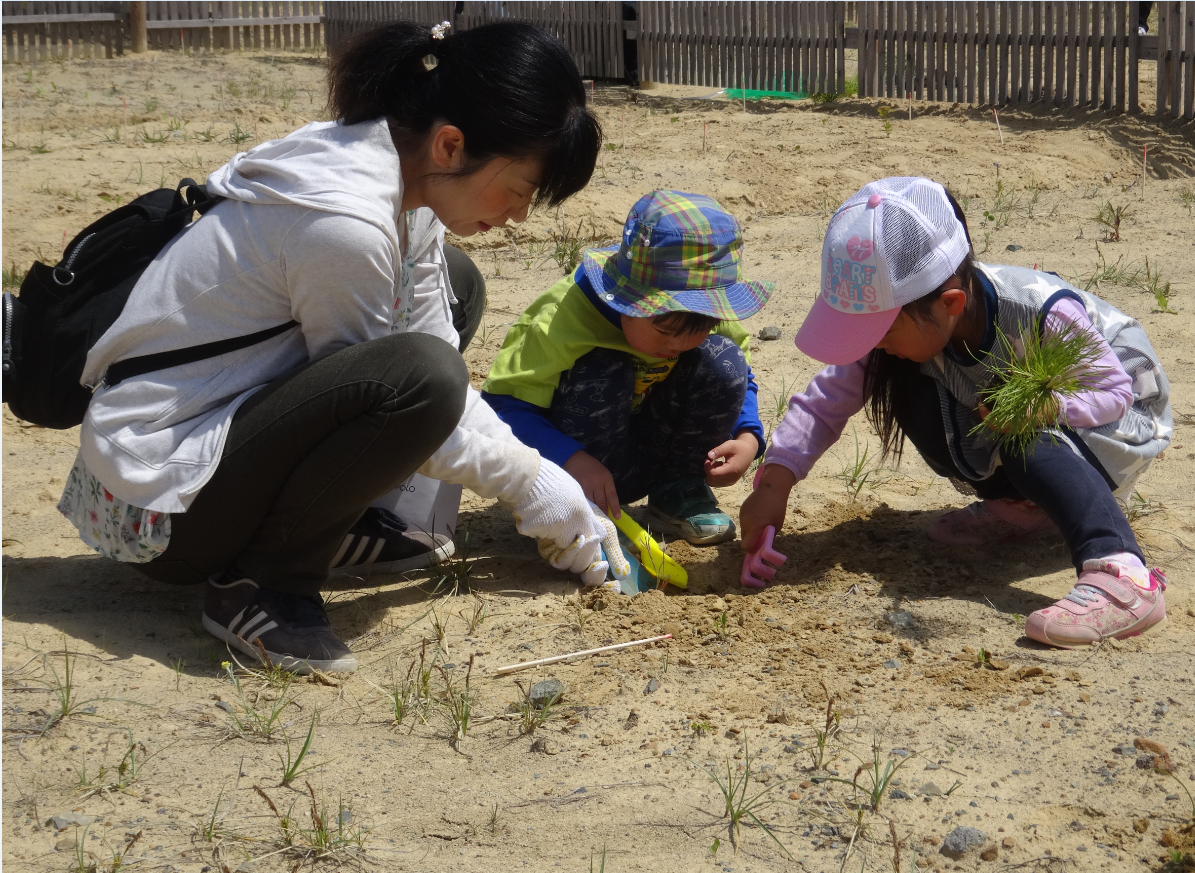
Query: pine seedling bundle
{"x": 1026, "y": 397}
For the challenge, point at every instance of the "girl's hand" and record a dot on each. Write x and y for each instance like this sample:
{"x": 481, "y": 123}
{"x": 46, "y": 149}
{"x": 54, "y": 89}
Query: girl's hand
{"x": 726, "y": 464}
{"x": 984, "y": 412}
{"x": 595, "y": 480}
{"x": 767, "y": 505}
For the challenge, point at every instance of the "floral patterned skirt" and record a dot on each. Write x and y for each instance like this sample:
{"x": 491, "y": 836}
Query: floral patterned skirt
{"x": 112, "y": 527}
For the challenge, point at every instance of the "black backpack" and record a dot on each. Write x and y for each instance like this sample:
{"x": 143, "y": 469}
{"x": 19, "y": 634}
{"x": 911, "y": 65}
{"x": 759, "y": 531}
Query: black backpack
{"x": 63, "y": 311}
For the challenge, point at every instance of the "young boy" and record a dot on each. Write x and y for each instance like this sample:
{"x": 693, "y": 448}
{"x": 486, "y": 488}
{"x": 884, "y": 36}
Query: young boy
{"x": 633, "y": 375}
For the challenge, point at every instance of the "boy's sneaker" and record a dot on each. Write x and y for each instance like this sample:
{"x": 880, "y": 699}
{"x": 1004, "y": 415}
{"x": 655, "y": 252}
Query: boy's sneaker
{"x": 687, "y": 508}
{"x": 380, "y": 543}
{"x": 988, "y": 522}
{"x": 1109, "y": 600}
{"x": 293, "y": 628}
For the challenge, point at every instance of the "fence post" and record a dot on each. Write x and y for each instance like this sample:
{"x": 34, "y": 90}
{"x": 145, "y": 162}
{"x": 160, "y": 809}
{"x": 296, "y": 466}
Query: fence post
{"x": 137, "y": 27}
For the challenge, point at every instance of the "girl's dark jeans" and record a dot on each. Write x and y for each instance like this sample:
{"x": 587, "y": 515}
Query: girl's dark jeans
{"x": 1073, "y": 489}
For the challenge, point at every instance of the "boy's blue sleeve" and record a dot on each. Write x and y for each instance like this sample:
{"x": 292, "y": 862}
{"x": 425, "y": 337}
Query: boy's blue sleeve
{"x": 749, "y": 415}
{"x": 532, "y": 428}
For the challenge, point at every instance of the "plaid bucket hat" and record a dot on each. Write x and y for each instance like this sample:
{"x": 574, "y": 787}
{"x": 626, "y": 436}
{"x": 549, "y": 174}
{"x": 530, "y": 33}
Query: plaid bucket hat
{"x": 679, "y": 253}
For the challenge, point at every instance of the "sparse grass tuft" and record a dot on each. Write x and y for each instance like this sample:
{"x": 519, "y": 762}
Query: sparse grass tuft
{"x": 1187, "y": 196}
{"x": 63, "y": 688}
{"x": 331, "y": 836}
{"x": 737, "y": 805}
{"x": 116, "y": 779}
{"x": 1116, "y": 273}
{"x": 879, "y": 771}
{"x": 248, "y": 721}
{"x": 1158, "y": 288}
{"x": 581, "y": 615}
{"x": 292, "y": 766}
{"x": 237, "y": 136}
{"x": 567, "y": 246}
{"x": 827, "y": 733}
{"x": 13, "y": 275}
{"x": 1138, "y": 506}
{"x": 1110, "y": 217}
{"x": 1004, "y": 204}
{"x": 855, "y": 475}
{"x": 458, "y": 701}
{"x": 401, "y": 696}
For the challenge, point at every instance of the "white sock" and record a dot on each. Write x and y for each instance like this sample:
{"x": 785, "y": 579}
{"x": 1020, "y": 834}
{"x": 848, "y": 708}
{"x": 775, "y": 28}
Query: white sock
{"x": 1130, "y": 563}
{"x": 1126, "y": 559}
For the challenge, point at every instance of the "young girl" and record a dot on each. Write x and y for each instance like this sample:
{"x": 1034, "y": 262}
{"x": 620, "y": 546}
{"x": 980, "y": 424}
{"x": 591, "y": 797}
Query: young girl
{"x": 908, "y": 321}
{"x": 246, "y": 472}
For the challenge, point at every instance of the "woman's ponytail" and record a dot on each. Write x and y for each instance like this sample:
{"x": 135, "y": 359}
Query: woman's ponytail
{"x": 511, "y": 88}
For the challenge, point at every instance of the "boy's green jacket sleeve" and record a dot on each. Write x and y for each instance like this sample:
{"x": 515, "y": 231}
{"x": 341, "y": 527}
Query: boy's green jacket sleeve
{"x": 556, "y": 330}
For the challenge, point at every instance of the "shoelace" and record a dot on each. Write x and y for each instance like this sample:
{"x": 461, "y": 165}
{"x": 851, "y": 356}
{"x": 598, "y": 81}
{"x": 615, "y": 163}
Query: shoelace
{"x": 1084, "y": 595}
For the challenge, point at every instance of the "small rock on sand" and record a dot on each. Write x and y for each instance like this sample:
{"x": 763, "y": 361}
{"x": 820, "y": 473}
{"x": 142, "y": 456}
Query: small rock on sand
{"x": 771, "y": 332}
{"x": 962, "y": 840}
{"x": 546, "y": 693}
{"x": 66, "y": 819}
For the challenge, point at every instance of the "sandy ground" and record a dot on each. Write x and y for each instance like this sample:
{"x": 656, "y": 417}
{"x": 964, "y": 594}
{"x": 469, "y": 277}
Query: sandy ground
{"x": 868, "y": 621}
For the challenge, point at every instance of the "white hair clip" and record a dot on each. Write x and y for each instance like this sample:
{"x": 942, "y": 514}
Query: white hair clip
{"x": 430, "y": 61}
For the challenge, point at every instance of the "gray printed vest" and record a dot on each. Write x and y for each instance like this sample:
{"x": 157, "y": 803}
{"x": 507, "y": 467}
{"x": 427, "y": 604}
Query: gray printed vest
{"x": 1125, "y": 447}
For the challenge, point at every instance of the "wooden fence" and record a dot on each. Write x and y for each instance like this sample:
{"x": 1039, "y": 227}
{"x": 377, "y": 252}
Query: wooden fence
{"x": 760, "y": 45}
{"x": 38, "y": 31}
{"x": 1059, "y": 52}
{"x": 1176, "y": 59}
{"x": 198, "y": 26}
{"x": 592, "y": 30}
{"x": 1069, "y": 54}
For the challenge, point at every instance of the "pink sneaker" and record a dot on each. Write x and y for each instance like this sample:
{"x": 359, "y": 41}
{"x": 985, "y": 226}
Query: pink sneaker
{"x": 1107, "y": 601}
{"x": 991, "y": 521}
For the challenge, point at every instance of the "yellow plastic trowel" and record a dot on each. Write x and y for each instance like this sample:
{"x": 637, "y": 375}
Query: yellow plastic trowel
{"x": 651, "y": 556}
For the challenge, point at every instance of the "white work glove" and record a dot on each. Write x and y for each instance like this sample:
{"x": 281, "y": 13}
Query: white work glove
{"x": 571, "y": 531}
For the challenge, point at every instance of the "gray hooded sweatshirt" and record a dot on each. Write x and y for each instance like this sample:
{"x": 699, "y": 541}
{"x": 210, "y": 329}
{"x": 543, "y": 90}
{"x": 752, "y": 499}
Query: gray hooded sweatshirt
{"x": 313, "y": 230}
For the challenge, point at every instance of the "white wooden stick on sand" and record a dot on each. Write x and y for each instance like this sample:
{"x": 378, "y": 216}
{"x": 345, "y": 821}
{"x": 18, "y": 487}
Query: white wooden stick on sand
{"x": 998, "y": 129}
{"x": 514, "y": 668}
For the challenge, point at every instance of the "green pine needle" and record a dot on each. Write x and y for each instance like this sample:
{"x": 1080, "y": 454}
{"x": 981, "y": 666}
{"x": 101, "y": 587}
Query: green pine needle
{"x": 1026, "y": 397}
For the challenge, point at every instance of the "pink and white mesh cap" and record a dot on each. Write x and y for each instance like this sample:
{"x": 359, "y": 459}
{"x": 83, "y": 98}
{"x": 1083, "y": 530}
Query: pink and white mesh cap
{"x": 891, "y": 242}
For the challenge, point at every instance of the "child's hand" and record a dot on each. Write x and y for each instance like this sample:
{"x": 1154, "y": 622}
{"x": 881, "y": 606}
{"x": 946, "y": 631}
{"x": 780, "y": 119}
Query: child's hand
{"x": 726, "y": 464}
{"x": 767, "y": 505}
{"x": 595, "y": 480}
{"x": 984, "y": 412}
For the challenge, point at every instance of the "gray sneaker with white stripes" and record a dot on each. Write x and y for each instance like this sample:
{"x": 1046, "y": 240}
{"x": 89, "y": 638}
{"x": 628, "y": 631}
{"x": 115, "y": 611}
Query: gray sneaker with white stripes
{"x": 293, "y": 629}
{"x": 380, "y": 542}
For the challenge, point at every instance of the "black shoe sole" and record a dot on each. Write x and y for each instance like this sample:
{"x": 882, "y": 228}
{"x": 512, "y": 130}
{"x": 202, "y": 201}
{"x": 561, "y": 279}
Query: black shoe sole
{"x": 300, "y": 666}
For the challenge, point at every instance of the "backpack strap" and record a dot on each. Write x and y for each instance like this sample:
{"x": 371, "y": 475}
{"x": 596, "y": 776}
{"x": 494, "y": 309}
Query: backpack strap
{"x": 190, "y": 197}
{"x": 139, "y": 366}
{"x": 194, "y": 197}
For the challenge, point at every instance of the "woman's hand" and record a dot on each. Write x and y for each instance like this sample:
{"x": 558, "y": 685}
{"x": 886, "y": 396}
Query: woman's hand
{"x": 571, "y": 532}
{"x": 767, "y": 505}
{"x": 595, "y": 480}
{"x": 726, "y": 464}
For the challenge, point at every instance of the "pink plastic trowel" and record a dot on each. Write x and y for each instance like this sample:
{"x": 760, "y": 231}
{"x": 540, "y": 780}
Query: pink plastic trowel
{"x": 762, "y": 562}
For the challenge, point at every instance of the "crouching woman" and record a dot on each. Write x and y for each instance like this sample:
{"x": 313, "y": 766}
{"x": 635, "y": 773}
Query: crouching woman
{"x": 247, "y": 470}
